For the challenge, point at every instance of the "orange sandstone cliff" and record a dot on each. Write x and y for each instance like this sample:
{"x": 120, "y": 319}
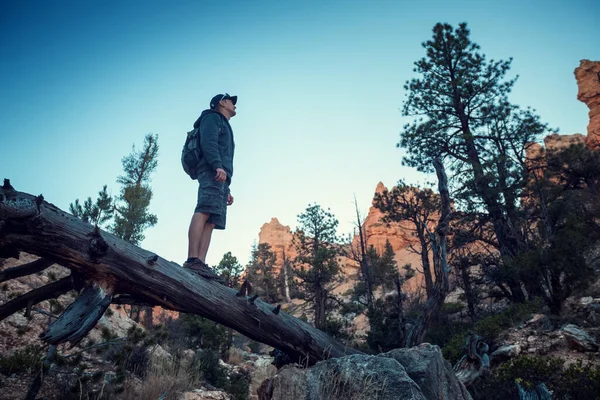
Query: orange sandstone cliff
{"x": 588, "y": 82}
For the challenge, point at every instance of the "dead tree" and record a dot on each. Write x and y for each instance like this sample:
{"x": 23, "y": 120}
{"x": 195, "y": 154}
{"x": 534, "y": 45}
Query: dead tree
{"x": 435, "y": 300}
{"x": 115, "y": 271}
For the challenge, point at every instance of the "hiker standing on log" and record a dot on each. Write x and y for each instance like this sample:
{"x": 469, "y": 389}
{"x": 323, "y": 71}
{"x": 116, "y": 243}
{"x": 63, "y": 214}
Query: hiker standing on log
{"x": 214, "y": 172}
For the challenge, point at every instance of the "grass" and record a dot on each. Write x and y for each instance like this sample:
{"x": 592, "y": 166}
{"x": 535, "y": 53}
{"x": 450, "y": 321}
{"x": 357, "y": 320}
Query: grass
{"x": 162, "y": 378}
{"x": 339, "y": 386}
{"x": 235, "y": 356}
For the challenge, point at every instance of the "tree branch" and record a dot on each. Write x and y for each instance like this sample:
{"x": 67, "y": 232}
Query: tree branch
{"x": 49, "y": 291}
{"x": 25, "y": 269}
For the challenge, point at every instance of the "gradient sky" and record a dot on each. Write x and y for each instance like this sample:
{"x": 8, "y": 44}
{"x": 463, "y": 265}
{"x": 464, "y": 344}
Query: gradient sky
{"x": 320, "y": 86}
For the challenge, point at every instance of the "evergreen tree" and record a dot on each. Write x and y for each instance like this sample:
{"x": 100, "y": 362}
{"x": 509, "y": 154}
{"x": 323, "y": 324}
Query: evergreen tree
{"x": 419, "y": 206}
{"x": 387, "y": 323}
{"x": 129, "y": 212}
{"x": 462, "y": 114}
{"x": 132, "y": 215}
{"x": 230, "y": 269}
{"x": 563, "y": 207}
{"x": 382, "y": 271}
{"x": 261, "y": 272}
{"x": 97, "y": 213}
{"x": 318, "y": 268}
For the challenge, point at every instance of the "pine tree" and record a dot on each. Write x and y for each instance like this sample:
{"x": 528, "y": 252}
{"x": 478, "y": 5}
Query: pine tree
{"x": 98, "y": 213}
{"x": 317, "y": 260}
{"x": 563, "y": 207}
{"x": 230, "y": 269}
{"x": 261, "y": 272}
{"x": 462, "y": 114}
{"x": 419, "y": 206}
{"x": 132, "y": 215}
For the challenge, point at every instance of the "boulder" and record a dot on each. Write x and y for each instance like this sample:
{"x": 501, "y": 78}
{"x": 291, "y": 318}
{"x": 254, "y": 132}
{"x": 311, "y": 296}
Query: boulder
{"x": 427, "y": 367}
{"x": 506, "y": 352}
{"x": 416, "y": 373}
{"x": 578, "y": 338}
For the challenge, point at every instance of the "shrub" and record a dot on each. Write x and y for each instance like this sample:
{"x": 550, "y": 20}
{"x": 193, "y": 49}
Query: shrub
{"x": 254, "y": 346}
{"x": 455, "y": 348}
{"x": 452, "y": 308}
{"x": 238, "y": 385}
{"x": 208, "y": 366}
{"x": 23, "y": 360}
{"x": 235, "y": 356}
{"x": 578, "y": 381}
{"x": 162, "y": 378}
{"x": 491, "y": 327}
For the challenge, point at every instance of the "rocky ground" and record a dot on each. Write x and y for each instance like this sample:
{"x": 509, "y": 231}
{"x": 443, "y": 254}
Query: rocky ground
{"x": 572, "y": 336}
{"x": 20, "y": 335}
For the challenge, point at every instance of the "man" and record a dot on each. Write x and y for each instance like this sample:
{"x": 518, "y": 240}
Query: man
{"x": 214, "y": 174}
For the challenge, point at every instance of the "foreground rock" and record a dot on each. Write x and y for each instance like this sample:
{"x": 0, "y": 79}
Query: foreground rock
{"x": 411, "y": 374}
{"x": 579, "y": 339}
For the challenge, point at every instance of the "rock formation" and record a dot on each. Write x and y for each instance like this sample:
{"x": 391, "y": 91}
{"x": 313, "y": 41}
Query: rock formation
{"x": 279, "y": 237}
{"x": 416, "y": 373}
{"x": 377, "y": 232}
{"x": 588, "y": 82}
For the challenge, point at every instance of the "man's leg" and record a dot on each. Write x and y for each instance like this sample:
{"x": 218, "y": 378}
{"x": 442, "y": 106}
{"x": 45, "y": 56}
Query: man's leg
{"x": 196, "y": 233}
{"x": 205, "y": 241}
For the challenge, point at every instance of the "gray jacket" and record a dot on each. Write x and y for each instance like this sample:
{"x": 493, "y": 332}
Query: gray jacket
{"x": 216, "y": 143}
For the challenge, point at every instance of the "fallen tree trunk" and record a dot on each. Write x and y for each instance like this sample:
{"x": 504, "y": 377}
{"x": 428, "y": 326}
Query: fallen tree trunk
{"x": 29, "y": 224}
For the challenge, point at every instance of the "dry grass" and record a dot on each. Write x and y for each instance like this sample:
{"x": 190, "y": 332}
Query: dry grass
{"x": 235, "y": 356}
{"x": 338, "y": 386}
{"x": 163, "y": 377}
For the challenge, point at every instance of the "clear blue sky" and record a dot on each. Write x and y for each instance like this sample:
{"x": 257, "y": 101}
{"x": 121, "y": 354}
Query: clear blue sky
{"x": 320, "y": 86}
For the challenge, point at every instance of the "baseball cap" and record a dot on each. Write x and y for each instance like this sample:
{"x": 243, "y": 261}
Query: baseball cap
{"x": 216, "y": 99}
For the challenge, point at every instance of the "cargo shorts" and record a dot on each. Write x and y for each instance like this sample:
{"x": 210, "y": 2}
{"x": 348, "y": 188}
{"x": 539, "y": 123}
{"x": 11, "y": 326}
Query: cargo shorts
{"x": 212, "y": 199}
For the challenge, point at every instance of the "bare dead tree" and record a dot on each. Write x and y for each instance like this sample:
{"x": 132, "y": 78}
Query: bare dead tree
{"x": 440, "y": 265}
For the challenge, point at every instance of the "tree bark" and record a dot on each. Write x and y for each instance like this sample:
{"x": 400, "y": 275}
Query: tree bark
{"x": 30, "y": 224}
{"x": 440, "y": 265}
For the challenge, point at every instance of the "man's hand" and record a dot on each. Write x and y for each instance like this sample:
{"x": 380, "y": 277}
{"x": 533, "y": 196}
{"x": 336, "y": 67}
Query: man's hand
{"x": 221, "y": 175}
{"x": 229, "y": 199}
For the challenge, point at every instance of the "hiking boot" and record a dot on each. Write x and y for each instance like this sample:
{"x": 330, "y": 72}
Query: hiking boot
{"x": 200, "y": 268}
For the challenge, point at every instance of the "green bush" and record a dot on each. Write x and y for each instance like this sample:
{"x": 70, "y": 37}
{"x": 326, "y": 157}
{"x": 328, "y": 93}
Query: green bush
{"x": 454, "y": 349}
{"x": 238, "y": 385}
{"x": 578, "y": 381}
{"x": 235, "y": 383}
{"x": 451, "y": 336}
{"x": 452, "y": 308}
{"x": 207, "y": 363}
{"x": 491, "y": 327}
{"x": 23, "y": 360}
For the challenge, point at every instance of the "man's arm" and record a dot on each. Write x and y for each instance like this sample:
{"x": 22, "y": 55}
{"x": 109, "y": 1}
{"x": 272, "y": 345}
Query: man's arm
{"x": 209, "y": 140}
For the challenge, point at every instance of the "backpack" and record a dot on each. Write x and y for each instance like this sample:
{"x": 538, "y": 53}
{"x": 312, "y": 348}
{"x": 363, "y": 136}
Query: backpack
{"x": 191, "y": 155}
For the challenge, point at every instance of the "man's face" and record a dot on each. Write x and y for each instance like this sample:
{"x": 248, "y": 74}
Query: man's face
{"x": 228, "y": 106}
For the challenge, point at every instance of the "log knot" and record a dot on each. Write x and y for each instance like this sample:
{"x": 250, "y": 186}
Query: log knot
{"x": 152, "y": 259}
{"x": 98, "y": 246}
